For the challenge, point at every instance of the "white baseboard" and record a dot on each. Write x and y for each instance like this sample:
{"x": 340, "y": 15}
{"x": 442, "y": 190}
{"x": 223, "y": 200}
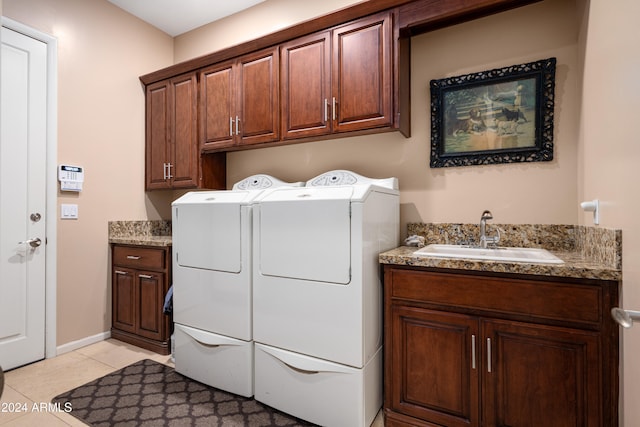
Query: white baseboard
{"x": 74, "y": 345}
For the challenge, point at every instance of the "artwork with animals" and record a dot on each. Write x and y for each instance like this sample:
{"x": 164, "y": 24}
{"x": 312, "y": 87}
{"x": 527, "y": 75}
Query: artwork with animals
{"x": 502, "y": 115}
{"x": 490, "y": 117}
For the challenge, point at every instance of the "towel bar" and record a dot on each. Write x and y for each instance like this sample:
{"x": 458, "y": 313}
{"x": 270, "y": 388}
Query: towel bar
{"x": 625, "y": 317}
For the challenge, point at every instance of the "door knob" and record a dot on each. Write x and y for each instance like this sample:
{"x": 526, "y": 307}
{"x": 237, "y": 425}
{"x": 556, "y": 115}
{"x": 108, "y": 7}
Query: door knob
{"x": 34, "y": 243}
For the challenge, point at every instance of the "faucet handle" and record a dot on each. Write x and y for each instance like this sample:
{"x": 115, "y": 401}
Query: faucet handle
{"x": 495, "y": 239}
{"x": 486, "y": 215}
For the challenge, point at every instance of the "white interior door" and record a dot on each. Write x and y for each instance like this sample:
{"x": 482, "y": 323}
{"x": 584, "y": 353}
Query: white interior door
{"x": 23, "y": 149}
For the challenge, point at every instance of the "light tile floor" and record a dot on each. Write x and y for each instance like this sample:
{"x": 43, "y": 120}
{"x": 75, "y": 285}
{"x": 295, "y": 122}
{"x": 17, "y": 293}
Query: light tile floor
{"x": 30, "y": 386}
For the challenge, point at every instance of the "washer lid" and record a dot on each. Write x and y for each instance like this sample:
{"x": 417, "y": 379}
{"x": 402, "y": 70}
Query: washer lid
{"x": 208, "y": 236}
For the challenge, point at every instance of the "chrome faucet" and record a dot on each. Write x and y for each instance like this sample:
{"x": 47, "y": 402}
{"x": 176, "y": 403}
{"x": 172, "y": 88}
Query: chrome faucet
{"x": 484, "y": 240}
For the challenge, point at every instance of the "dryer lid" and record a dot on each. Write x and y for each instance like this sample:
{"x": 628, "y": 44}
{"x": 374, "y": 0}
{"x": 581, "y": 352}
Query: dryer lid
{"x": 308, "y": 240}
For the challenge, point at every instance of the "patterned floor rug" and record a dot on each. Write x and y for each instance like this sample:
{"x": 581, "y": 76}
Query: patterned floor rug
{"x": 148, "y": 393}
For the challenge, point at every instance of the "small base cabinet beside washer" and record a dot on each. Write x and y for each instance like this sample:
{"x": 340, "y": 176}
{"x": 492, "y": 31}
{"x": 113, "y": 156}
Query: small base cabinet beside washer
{"x": 140, "y": 281}
{"x": 483, "y": 349}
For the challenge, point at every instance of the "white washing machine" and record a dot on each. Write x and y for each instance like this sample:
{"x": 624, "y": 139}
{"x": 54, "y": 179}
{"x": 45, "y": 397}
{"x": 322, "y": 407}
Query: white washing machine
{"x": 317, "y": 300}
{"x": 212, "y": 284}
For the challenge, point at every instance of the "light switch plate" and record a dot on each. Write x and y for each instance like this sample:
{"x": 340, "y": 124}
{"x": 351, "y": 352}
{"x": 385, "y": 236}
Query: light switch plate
{"x": 68, "y": 211}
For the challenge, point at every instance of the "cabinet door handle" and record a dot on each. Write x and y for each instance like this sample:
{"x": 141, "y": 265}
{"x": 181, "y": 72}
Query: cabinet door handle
{"x": 145, "y": 276}
{"x": 326, "y": 106}
{"x": 164, "y": 171}
{"x": 169, "y": 166}
{"x": 333, "y": 109}
{"x": 133, "y": 257}
{"x": 237, "y": 121}
{"x": 488, "y": 354}
{"x": 473, "y": 352}
{"x": 121, "y": 272}
{"x": 230, "y": 126}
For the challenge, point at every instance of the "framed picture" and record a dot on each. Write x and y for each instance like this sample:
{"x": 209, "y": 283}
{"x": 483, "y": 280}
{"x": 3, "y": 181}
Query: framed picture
{"x": 497, "y": 116}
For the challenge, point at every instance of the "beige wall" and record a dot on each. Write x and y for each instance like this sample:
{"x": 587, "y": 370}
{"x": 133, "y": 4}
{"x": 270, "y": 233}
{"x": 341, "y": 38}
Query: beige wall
{"x": 610, "y": 154}
{"x": 101, "y": 52}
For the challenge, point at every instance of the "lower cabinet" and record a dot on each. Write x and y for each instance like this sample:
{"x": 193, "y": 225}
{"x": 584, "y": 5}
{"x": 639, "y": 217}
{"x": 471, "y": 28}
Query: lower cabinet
{"x": 478, "y": 350}
{"x": 140, "y": 281}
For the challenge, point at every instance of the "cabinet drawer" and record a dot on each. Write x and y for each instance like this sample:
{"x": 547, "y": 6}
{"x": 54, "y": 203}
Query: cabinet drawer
{"x": 139, "y": 257}
{"x": 558, "y": 301}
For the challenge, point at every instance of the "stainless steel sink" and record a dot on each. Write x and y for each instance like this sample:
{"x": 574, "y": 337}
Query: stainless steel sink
{"x": 531, "y": 255}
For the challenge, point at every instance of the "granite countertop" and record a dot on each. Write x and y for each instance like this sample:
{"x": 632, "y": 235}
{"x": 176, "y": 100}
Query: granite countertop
{"x": 575, "y": 265}
{"x": 142, "y": 240}
{"x": 142, "y": 233}
{"x": 587, "y": 252}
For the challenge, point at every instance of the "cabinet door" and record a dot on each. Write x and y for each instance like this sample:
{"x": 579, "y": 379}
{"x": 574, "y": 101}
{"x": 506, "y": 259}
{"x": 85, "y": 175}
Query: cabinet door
{"x": 124, "y": 297}
{"x": 306, "y": 86}
{"x": 149, "y": 302}
{"x": 258, "y": 116}
{"x": 184, "y": 141}
{"x": 362, "y": 74}
{"x": 432, "y": 374}
{"x": 541, "y": 376}
{"x": 158, "y": 130}
{"x": 217, "y": 106}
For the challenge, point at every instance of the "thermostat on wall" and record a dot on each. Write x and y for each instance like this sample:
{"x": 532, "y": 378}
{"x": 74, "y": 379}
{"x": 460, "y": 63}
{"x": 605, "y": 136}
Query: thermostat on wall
{"x": 70, "y": 177}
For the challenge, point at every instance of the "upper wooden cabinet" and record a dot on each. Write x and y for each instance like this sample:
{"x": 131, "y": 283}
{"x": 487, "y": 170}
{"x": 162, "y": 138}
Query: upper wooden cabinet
{"x": 338, "y": 80}
{"x": 172, "y": 133}
{"x": 239, "y": 101}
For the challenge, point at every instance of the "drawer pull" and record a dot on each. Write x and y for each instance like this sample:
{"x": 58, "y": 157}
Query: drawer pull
{"x": 120, "y": 272}
{"x": 145, "y": 276}
{"x": 133, "y": 257}
{"x": 473, "y": 352}
{"x": 489, "y": 355}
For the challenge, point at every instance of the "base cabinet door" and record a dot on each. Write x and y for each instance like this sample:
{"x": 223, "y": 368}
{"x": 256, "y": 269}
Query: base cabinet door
{"x": 150, "y": 296}
{"x": 539, "y": 375}
{"x": 434, "y": 366}
{"x": 124, "y": 294}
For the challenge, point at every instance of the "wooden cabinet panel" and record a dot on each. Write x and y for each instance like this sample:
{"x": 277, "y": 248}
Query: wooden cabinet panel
{"x": 150, "y": 287}
{"x": 239, "y": 102}
{"x": 493, "y": 351}
{"x": 218, "y": 109}
{"x": 434, "y": 357}
{"x": 339, "y": 80}
{"x": 172, "y": 149}
{"x": 542, "y": 375}
{"x": 362, "y": 74}
{"x": 139, "y": 257}
{"x": 124, "y": 295}
{"x": 140, "y": 278}
{"x": 158, "y": 130}
{"x": 184, "y": 169}
{"x": 306, "y": 86}
{"x": 259, "y": 103}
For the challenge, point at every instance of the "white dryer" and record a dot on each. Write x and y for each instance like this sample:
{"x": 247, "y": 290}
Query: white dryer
{"x": 212, "y": 284}
{"x": 317, "y": 301}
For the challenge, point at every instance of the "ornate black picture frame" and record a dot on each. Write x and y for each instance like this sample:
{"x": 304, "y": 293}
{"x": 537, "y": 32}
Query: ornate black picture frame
{"x": 503, "y": 115}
